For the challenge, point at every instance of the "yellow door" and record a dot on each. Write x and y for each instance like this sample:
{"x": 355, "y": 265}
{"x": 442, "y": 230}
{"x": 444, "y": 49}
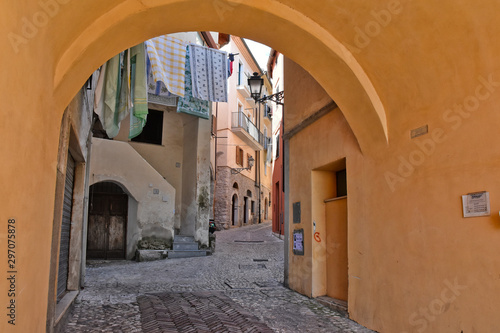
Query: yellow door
{"x": 336, "y": 238}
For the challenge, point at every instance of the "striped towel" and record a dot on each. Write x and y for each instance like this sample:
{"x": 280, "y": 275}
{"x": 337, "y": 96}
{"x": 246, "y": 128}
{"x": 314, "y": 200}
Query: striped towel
{"x": 168, "y": 60}
{"x": 209, "y": 70}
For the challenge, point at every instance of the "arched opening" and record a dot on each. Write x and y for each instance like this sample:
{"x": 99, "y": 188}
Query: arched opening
{"x": 100, "y": 37}
{"x": 344, "y": 78}
{"x": 249, "y": 210}
{"x": 234, "y": 210}
{"x": 107, "y": 222}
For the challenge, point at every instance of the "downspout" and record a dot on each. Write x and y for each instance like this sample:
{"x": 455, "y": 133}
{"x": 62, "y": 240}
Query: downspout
{"x": 215, "y": 153}
{"x": 258, "y": 168}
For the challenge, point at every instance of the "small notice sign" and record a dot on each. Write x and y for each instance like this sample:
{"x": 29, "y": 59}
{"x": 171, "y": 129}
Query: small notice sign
{"x": 298, "y": 242}
{"x": 476, "y": 204}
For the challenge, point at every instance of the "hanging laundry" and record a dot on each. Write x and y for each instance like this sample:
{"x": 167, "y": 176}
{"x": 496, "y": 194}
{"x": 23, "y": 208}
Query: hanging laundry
{"x": 155, "y": 88}
{"x": 168, "y": 60}
{"x": 139, "y": 94}
{"x": 99, "y": 92}
{"x": 125, "y": 100}
{"x": 189, "y": 104}
{"x": 230, "y": 61}
{"x": 209, "y": 73}
{"x": 113, "y": 101}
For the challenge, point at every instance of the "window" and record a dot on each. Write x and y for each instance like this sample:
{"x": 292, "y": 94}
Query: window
{"x": 239, "y": 156}
{"x": 268, "y": 111}
{"x": 241, "y": 74}
{"x": 341, "y": 183}
{"x": 277, "y": 145}
{"x": 153, "y": 131}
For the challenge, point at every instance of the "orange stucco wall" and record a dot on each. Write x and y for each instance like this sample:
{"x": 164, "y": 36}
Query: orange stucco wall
{"x": 415, "y": 264}
{"x": 391, "y": 66}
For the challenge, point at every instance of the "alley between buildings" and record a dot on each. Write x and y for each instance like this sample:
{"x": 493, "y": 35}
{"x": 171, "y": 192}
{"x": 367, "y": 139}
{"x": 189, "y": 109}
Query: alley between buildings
{"x": 237, "y": 289}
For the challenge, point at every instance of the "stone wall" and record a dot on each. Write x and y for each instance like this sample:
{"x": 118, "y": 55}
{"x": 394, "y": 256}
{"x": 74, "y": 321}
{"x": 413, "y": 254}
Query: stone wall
{"x": 225, "y": 189}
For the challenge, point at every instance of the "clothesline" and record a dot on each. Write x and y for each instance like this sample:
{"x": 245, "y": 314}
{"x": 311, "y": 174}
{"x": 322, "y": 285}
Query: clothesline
{"x": 170, "y": 67}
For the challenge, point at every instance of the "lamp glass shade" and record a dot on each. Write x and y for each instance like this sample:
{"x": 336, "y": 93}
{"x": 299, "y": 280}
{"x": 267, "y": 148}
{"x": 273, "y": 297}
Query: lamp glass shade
{"x": 255, "y": 83}
{"x": 250, "y": 162}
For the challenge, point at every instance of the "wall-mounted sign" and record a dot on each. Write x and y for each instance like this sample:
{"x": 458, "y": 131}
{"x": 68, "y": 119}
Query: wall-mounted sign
{"x": 415, "y": 133}
{"x": 298, "y": 242}
{"x": 476, "y": 204}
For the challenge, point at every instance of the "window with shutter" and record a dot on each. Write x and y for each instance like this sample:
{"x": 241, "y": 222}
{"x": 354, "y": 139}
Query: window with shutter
{"x": 239, "y": 156}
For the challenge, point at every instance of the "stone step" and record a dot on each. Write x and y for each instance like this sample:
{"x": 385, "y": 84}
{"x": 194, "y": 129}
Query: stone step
{"x": 334, "y": 304}
{"x": 182, "y": 246}
{"x": 186, "y": 254}
{"x": 181, "y": 239}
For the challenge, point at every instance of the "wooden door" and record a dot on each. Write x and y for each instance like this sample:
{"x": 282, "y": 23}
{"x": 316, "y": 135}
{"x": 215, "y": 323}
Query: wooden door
{"x": 336, "y": 238}
{"x": 107, "y": 226}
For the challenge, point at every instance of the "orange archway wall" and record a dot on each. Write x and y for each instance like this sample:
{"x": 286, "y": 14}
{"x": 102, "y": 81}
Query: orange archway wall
{"x": 391, "y": 66}
{"x": 51, "y": 47}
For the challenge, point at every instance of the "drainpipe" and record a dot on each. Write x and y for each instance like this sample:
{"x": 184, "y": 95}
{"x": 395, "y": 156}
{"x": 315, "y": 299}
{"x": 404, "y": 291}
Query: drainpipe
{"x": 215, "y": 159}
{"x": 257, "y": 169}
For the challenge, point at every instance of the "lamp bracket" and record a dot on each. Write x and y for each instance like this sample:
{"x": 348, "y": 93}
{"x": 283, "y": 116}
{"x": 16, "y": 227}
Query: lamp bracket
{"x": 276, "y": 98}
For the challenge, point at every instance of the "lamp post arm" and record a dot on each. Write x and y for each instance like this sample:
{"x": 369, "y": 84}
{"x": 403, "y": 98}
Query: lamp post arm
{"x": 276, "y": 98}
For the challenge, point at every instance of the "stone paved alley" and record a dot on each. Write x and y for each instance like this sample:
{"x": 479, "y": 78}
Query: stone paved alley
{"x": 237, "y": 289}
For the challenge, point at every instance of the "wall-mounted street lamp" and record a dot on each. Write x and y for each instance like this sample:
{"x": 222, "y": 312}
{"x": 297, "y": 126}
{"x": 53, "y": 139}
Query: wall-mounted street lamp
{"x": 251, "y": 162}
{"x": 256, "y": 83}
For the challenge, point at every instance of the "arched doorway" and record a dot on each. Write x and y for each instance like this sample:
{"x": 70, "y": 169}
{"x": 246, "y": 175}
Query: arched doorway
{"x": 107, "y": 226}
{"x": 234, "y": 211}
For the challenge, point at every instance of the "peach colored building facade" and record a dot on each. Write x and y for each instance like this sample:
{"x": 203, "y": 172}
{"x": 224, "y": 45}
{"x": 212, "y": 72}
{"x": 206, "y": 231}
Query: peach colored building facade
{"x": 242, "y": 195}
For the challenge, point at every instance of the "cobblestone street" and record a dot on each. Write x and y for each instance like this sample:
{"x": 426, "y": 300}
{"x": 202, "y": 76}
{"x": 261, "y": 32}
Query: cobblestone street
{"x": 237, "y": 289}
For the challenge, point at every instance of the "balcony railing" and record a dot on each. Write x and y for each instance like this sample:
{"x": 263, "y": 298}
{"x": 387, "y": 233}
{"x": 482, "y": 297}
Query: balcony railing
{"x": 241, "y": 121}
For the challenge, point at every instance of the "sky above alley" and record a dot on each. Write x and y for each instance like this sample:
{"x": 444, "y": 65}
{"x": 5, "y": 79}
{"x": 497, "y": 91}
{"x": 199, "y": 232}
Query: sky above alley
{"x": 260, "y": 52}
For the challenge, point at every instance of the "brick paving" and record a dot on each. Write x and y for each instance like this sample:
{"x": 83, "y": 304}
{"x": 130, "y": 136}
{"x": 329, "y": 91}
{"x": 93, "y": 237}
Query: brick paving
{"x": 237, "y": 289}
